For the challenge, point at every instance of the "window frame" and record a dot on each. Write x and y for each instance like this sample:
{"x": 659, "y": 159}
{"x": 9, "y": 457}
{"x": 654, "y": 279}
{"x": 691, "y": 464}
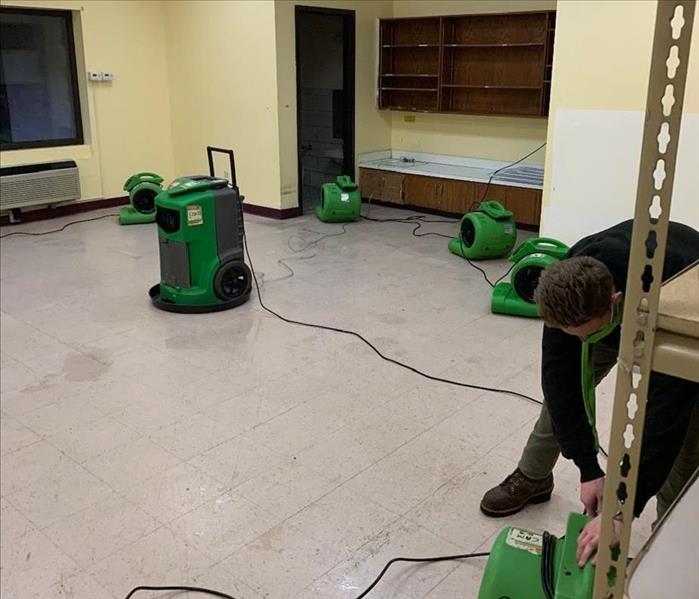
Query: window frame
{"x": 79, "y": 138}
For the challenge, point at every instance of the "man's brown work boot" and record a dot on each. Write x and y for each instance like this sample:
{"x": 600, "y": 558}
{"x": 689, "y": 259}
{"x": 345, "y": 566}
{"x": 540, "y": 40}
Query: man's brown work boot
{"x": 515, "y": 492}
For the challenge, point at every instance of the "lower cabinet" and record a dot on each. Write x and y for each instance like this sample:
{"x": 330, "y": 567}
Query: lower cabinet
{"x": 452, "y": 196}
{"x": 385, "y": 186}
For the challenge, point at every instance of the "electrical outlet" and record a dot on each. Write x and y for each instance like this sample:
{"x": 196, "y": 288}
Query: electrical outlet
{"x": 108, "y": 76}
{"x": 95, "y": 75}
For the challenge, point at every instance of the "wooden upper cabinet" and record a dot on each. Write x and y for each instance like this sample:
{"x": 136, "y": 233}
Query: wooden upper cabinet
{"x": 497, "y": 64}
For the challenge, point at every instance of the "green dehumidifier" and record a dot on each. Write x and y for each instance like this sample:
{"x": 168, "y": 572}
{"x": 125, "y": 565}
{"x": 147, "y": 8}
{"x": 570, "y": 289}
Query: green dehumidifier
{"x": 200, "y": 231}
{"x": 489, "y": 231}
{"x": 142, "y": 189}
{"x": 340, "y": 202}
{"x": 529, "y": 565}
{"x": 530, "y": 258}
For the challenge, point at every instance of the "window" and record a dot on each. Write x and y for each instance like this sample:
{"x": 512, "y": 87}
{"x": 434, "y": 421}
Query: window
{"x": 39, "y": 102}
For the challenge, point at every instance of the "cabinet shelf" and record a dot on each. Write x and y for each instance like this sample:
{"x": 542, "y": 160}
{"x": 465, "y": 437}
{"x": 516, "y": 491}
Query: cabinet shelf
{"x": 409, "y": 75}
{"x": 410, "y": 45}
{"x": 409, "y": 89}
{"x": 469, "y": 64}
{"x": 511, "y": 87}
{"x": 502, "y": 45}
{"x": 406, "y": 108}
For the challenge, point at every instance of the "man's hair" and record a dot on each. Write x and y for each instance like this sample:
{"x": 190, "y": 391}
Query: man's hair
{"x": 574, "y": 291}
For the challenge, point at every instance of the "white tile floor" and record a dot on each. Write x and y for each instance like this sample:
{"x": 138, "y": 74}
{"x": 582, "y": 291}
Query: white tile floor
{"x": 234, "y": 451}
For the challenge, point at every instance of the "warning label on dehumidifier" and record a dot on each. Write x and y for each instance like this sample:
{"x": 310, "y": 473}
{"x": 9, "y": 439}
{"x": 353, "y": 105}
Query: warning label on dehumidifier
{"x": 526, "y": 540}
{"x": 195, "y": 215}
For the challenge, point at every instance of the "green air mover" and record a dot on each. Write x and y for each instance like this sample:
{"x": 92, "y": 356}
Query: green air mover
{"x": 142, "y": 189}
{"x": 200, "y": 228}
{"x": 530, "y": 258}
{"x": 530, "y": 565}
{"x": 340, "y": 202}
{"x": 487, "y": 232}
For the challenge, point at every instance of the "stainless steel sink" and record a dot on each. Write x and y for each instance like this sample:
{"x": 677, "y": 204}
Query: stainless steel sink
{"x": 525, "y": 175}
{"x": 399, "y": 162}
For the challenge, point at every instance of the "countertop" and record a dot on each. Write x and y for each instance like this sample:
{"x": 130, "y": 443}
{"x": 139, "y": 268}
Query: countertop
{"x": 530, "y": 176}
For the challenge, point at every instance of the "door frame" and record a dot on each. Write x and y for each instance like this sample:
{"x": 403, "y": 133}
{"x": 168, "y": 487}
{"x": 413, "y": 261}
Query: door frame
{"x": 348, "y": 78}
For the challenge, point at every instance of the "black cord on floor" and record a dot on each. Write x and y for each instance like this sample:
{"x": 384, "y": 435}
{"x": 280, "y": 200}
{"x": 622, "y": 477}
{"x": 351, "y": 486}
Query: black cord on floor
{"x": 414, "y": 219}
{"x": 372, "y": 346}
{"x": 315, "y": 241}
{"x": 417, "y": 560}
{"x": 63, "y": 228}
{"x": 180, "y": 589}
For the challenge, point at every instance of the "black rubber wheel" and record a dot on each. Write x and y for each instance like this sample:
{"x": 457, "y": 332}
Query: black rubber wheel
{"x": 144, "y": 201}
{"x": 525, "y": 282}
{"x": 232, "y": 280}
{"x": 468, "y": 232}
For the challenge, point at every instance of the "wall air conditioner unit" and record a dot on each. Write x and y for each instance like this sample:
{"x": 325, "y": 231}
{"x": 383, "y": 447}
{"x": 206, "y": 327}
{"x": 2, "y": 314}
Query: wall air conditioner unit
{"x": 38, "y": 184}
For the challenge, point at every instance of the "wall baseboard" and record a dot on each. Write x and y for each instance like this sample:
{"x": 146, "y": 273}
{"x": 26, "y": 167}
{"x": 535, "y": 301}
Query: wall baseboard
{"x": 435, "y": 212}
{"x": 276, "y": 213}
{"x": 78, "y": 207}
{"x": 29, "y": 216}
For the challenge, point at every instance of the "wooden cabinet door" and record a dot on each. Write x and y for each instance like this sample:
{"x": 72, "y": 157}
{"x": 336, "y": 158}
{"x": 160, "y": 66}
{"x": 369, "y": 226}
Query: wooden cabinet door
{"x": 422, "y": 191}
{"x": 457, "y": 196}
{"x": 392, "y": 187}
{"x": 525, "y": 204}
{"x": 370, "y": 183}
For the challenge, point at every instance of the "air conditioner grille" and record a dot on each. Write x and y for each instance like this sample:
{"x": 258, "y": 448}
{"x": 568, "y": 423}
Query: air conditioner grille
{"x": 43, "y": 186}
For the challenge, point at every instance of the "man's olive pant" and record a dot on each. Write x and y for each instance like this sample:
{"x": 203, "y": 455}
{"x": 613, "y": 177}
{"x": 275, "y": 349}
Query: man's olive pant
{"x": 542, "y": 450}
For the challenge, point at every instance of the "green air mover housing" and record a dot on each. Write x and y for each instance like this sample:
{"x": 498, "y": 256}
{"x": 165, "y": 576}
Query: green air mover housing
{"x": 200, "y": 230}
{"x": 515, "y": 570}
{"x": 530, "y": 258}
{"x": 487, "y": 232}
{"x": 340, "y": 202}
{"x": 142, "y": 189}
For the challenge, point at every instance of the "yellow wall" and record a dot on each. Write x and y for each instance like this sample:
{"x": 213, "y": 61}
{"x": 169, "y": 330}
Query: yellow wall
{"x": 372, "y": 127}
{"x": 612, "y": 71}
{"x": 127, "y": 121}
{"x": 223, "y": 89}
{"x": 601, "y": 66}
{"x": 497, "y": 138}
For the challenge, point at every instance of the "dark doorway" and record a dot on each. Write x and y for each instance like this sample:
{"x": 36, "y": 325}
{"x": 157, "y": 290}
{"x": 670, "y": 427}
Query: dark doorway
{"x": 324, "y": 98}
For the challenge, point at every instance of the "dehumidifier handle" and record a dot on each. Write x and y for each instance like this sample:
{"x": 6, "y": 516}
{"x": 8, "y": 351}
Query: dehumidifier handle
{"x": 210, "y": 155}
{"x": 549, "y": 241}
{"x": 134, "y": 180}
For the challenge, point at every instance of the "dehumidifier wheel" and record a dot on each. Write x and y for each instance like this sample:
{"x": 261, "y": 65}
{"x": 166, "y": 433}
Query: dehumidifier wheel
{"x": 144, "y": 200}
{"x": 468, "y": 232}
{"x": 232, "y": 280}
{"x": 526, "y": 280}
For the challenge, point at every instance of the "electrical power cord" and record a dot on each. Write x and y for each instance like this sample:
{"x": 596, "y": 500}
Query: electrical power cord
{"x": 315, "y": 242}
{"x": 292, "y": 273}
{"x": 63, "y": 228}
{"x": 421, "y": 219}
{"x": 548, "y": 546}
{"x": 283, "y": 261}
{"x": 179, "y": 589}
{"x": 356, "y": 335}
{"x": 418, "y": 560}
{"x": 414, "y": 219}
{"x": 504, "y": 168}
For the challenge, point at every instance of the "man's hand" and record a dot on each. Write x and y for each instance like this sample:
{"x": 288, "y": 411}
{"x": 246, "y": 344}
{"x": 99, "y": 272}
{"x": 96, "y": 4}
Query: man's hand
{"x": 591, "y": 495}
{"x": 589, "y": 539}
